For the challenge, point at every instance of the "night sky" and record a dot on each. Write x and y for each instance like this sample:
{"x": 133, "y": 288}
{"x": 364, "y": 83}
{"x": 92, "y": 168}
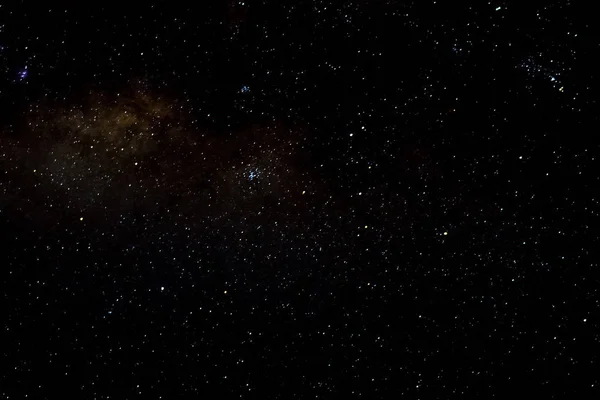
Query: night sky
{"x": 299, "y": 200}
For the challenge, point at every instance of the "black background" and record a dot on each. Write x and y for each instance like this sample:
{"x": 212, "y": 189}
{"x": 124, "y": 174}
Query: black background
{"x": 445, "y": 247}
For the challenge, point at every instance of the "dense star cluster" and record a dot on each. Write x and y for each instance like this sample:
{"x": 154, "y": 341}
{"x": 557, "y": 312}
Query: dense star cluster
{"x": 298, "y": 200}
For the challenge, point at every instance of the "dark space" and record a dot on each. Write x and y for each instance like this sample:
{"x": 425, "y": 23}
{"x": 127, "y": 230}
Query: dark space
{"x": 299, "y": 200}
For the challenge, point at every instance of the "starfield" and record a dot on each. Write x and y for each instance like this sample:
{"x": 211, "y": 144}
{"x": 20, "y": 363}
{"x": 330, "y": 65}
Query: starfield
{"x": 299, "y": 200}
